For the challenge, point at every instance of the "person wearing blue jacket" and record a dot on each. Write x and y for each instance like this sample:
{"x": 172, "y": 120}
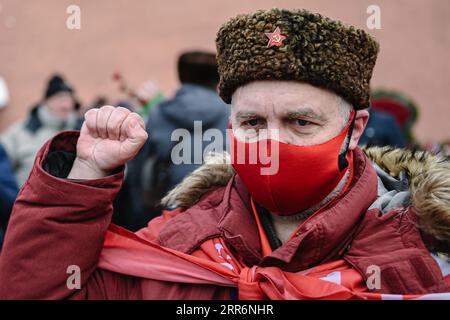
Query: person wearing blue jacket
{"x": 8, "y": 191}
{"x": 195, "y": 108}
{"x": 382, "y": 130}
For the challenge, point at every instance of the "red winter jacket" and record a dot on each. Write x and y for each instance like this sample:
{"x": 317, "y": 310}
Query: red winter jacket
{"x": 57, "y": 223}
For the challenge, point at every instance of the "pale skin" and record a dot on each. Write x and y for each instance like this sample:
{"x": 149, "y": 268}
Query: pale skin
{"x": 109, "y": 138}
{"x": 61, "y": 104}
{"x": 303, "y": 114}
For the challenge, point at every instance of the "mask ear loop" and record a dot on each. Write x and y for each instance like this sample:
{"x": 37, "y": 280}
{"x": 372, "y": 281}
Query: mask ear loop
{"x": 342, "y": 159}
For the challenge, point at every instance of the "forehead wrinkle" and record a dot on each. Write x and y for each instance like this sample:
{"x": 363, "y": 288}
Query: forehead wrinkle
{"x": 252, "y": 97}
{"x": 245, "y": 107}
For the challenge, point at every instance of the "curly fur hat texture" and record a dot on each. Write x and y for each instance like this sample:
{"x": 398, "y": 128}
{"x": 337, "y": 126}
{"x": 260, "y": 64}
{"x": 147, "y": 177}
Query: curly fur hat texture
{"x": 428, "y": 175}
{"x": 317, "y": 50}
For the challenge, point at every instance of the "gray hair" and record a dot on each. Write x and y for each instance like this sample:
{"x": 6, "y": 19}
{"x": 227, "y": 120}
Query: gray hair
{"x": 345, "y": 108}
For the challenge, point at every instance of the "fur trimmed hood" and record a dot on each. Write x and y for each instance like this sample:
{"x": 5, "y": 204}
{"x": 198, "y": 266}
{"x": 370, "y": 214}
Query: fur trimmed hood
{"x": 429, "y": 185}
{"x": 428, "y": 178}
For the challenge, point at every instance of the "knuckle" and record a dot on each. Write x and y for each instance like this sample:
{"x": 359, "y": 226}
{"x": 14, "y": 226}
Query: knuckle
{"x": 122, "y": 110}
{"x": 90, "y": 113}
{"x": 106, "y": 110}
{"x": 120, "y": 117}
{"x": 107, "y": 107}
{"x": 135, "y": 115}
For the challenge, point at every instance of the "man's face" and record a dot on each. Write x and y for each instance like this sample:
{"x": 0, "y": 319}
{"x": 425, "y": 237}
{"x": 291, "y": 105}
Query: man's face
{"x": 61, "y": 104}
{"x": 303, "y": 114}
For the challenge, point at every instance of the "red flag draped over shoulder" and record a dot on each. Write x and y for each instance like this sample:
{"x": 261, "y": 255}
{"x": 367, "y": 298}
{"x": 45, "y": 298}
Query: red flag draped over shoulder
{"x": 213, "y": 264}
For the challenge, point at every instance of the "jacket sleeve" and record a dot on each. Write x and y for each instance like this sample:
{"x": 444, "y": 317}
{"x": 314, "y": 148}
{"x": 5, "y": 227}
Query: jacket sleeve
{"x": 56, "y": 226}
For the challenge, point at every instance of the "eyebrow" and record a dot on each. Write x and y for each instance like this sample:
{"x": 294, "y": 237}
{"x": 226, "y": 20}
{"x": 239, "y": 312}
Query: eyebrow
{"x": 291, "y": 114}
{"x": 242, "y": 115}
{"x": 305, "y": 113}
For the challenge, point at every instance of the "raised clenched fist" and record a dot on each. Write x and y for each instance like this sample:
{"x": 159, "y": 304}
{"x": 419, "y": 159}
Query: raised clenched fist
{"x": 109, "y": 138}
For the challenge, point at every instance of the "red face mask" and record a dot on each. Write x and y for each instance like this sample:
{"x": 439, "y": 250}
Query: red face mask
{"x": 306, "y": 175}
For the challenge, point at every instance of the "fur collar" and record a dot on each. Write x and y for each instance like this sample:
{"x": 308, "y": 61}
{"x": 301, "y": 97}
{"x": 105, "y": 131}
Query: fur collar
{"x": 429, "y": 184}
{"x": 428, "y": 175}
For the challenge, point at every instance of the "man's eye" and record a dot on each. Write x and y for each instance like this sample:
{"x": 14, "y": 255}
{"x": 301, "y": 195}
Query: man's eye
{"x": 303, "y": 123}
{"x": 252, "y": 122}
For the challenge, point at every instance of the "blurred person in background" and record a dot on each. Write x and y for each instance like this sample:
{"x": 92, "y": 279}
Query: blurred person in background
{"x": 8, "y": 185}
{"x": 56, "y": 113}
{"x": 4, "y": 94}
{"x": 8, "y": 191}
{"x": 195, "y": 100}
{"x": 392, "y": 118}
{"x": 152, "y": 173}
{"x": 97, "y": 102}
{"x": 382, "y": 130}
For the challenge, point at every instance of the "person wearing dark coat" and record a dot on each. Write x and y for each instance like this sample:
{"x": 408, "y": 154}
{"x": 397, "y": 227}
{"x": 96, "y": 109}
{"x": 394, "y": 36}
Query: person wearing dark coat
{"x": 8, "y": 191}
{"x": 195, "y": 107}
{"x": 382, "y": 130}
{"x": 55, "y": 113}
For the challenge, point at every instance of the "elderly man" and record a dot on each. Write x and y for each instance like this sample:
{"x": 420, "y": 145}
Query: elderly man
{"x": 327, "y": 223}
{"x": 55, "y": 113}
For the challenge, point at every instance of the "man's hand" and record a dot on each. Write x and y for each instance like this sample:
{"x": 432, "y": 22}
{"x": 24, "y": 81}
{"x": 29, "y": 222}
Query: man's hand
{"x": 109, "y": 138}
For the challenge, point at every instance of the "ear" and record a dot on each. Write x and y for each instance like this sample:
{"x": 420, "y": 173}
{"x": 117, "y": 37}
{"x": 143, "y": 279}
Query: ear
{"x": 362, "y": 117}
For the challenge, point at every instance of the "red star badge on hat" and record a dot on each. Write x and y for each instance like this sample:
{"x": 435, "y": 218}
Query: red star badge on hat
{"x": 275, "y": 38}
